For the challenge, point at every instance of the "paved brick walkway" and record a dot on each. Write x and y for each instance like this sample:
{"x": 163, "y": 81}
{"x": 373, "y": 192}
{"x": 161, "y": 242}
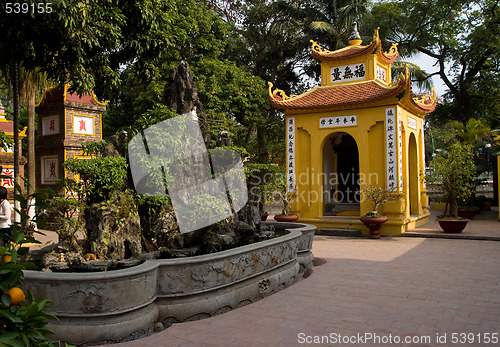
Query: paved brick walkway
{"x": 397, "y": 287}
{"x": 485, "y": 226}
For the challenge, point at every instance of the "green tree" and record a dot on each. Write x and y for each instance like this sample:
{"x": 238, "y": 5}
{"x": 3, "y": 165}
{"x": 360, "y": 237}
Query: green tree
{"x": 330, "y": 20}
{"x": 80, "y": 42}
{"x": 453, "y": 172}
{"x": 274, "y": 47}
{"x": 23, "y": 320}
{"x": 471, "y": 133}
{"x": 85, "y": 43}
{"x": 234, "y": 95}
{"x": 461, "y": 35}
{"x": 233, "y": 99}
{"x": 199, "y": 35}
{"x": 418, "y": 76}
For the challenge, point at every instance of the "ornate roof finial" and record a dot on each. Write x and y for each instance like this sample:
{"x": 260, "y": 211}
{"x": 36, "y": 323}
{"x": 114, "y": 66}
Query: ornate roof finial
{"x": 355, "y": 38}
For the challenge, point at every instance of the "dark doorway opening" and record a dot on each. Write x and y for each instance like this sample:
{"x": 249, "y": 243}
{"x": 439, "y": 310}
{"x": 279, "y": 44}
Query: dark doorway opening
{"x": 341, "y": 170}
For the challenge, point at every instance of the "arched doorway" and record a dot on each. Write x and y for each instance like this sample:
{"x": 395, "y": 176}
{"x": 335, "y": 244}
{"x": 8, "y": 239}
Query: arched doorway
{"x": 341, "y": 175}
{"x": 413, "y": 178}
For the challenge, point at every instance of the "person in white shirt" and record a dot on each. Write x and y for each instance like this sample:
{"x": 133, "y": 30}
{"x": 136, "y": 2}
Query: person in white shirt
{"x": 5, "y": 212}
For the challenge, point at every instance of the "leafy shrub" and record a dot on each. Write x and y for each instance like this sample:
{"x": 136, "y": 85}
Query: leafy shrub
{"x": 453, "y": 171}
{"x": 65, "y": 212}
{"x": 99, "y": 176}
{"x": 204, "y": 209}
{"x": 150, "y": 209}
{"x": 94, "y": 147}
{"x": 266, "y": 182}
{"x": 23, "y": 324}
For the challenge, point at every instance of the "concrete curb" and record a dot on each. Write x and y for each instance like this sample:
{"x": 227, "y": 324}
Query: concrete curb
{"x": 449, "y": 236}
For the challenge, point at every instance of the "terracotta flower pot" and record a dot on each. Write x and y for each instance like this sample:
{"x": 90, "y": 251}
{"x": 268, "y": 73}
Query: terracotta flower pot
{"x": 374, "y": 224}
{"x": 263, "y": 217}
{"x": 452, "y": 226}
{"x": 487, "y": 206}
{"x": 286, "y": 218}
{"x": 469, "y": 214}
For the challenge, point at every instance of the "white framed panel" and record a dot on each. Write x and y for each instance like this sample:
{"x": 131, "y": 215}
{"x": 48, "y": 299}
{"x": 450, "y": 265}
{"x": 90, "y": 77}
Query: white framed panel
{"x": 50, "y": 169}
{"x": 412, "y": 123}
{"x": 400, "y": 146}
{"x": 50, "y": 125}
{"x": 290, "y": 154}
{"x": 83, "y": 125}
{"x": 342, "y": 121}
{"x": 391, "y": 127}
{"x": 381, "y": 73}
{"x": 7, "y": 182}
{"x": 346, "y": 73}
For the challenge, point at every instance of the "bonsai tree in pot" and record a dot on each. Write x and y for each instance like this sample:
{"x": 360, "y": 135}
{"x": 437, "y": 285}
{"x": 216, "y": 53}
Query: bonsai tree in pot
{"x": 467, "y": 209}
{"x": 453, "y": 171}
{"x": 379, "y": 195}
{"x": 263, "y": 180}
{"x": 287, "y": 213}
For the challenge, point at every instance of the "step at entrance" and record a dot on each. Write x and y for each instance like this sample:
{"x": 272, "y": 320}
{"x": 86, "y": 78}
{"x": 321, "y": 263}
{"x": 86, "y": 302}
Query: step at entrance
{"x": 338, "y": 232}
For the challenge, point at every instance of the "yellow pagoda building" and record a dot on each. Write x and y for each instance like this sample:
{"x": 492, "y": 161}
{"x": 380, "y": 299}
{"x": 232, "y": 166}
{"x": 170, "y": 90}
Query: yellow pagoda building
{"x": 357, "y": 128}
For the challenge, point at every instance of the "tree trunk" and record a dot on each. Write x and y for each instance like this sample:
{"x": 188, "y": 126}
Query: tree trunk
{"x": 262, "y": 148}
{"x": 494, "y": 168}
{"x": 15, "y": 85}
{"x": 31, "y": 138}
{"x": 30, "y": 95}
{"x": 250, "y": 134}
{"x": 464, "y": 112}
{"x": 453, "y": 206}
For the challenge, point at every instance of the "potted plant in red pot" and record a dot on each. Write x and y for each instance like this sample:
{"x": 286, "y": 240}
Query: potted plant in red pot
{"x": 453, "y": 171}
{"x": 467, "y": 211}
{"x": 379, "y": 195}
{"x": 264, "y": 181}
{"x": 287, "y": 214}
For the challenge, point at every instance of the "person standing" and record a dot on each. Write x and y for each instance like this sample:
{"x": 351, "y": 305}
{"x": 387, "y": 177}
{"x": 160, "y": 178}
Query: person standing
{"x": 5, "y": 212}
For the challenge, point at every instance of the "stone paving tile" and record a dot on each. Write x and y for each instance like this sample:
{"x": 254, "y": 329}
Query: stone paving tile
{"x": 484, "y": 226}
{"x": 408, "y": 287}
{"x": 188, "y": 344}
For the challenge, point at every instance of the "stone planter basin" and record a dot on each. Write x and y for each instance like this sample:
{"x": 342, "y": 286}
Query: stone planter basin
{"x": 122, "y": 305}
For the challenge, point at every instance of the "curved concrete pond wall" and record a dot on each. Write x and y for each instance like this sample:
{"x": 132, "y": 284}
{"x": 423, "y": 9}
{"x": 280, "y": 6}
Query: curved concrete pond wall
{"x": 124, "y": 304}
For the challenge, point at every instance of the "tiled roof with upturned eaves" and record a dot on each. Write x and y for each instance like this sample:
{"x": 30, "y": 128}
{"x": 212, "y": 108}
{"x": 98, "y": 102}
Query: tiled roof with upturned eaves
{"x": 335, "y": 96}
{"x": 354, "y": 51}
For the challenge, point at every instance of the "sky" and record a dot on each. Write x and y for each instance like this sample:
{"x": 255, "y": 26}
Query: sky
{"x": 426, "y": 63}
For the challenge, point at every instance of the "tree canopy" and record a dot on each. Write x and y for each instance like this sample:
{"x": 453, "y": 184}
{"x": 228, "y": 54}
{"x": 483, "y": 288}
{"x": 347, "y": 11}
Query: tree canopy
{"x": 124, "y": 50}
{"x": 462, "y": 36}
{"x": 86, "y": 42}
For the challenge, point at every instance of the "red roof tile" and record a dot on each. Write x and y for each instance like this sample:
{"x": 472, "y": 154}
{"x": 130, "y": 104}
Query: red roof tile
{"x": 348, "y": 52}
{"x": 337, "y": 96}
{"x": 56, "y": 95}
{"x": 84, "y": 99}
{"x": 7, "y": 127}
{"x": 53, "y": 95}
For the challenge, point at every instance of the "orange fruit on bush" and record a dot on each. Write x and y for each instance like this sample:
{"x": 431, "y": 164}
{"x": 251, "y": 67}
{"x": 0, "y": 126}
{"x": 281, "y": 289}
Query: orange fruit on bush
{"x": 16, "y": 296}
{"x": 6, "y": 259}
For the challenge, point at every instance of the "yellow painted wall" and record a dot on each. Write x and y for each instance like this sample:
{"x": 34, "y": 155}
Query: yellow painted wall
{"x": 417, "y": 160}
{"x": 371, "y": 61}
